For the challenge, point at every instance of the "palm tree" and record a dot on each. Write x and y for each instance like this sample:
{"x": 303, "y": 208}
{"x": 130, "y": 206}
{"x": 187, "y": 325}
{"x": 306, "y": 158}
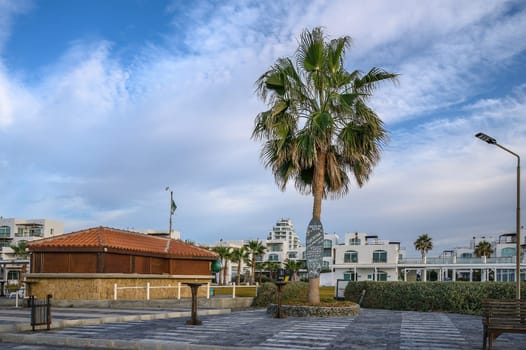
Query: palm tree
{"x": 239, "y": 256}
{"x": 318, "y": 129}
{"x": 261, "y": 265}
{"x": 423, "y": 243}
{"x": 255, "y": 249}
{"x": 20, "y": 250}
{"x": 483, "y": 248}
{"x": 224, "y": 256}
{"x": 294, "y": 266}
{"x": 272, "y": 267}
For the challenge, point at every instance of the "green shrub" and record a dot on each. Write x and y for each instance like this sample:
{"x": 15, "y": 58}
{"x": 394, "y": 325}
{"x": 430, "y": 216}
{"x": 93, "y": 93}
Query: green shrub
{"x": 458, "y": 297}
{"x": 266, "y": 295}
{"x": 293, "y": 292}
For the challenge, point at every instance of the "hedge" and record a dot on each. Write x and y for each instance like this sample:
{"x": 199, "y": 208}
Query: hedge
{"x": 456, "y": 297}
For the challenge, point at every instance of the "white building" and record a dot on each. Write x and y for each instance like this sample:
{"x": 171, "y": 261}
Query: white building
{"x": 462, "y": 264}
{"x": 13, "y": 231}
{"x": 364, "y": 257}
{"x": 283, "y": 243}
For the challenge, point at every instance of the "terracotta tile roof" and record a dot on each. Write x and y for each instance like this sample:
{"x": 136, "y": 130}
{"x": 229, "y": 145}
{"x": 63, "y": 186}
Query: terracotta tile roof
{"x": 99, "y": 238}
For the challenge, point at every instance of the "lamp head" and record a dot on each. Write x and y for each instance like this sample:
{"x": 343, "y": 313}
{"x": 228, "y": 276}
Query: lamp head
{"x": 486, "y": 138}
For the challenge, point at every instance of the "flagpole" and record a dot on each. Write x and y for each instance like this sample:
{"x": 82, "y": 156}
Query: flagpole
{"x": 171, "y": 213}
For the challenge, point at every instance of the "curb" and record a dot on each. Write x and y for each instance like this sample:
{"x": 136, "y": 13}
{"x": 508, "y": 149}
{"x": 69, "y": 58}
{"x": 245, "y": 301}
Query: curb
{"x": 94, "y": 321}
{"x": 39, "y": 339}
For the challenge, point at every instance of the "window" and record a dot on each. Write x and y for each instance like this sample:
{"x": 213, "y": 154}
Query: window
{"x": 466, "y": 256}
{"x": 507, "y": 252}
{"x": 327, "y": 243}
{"x": 292, "y": 255}
{"x": 381, "y": 276}
{"x": 505, "y": 275}
{"x": 379, "y": 256}
{"x": 354, "y": 241}
{"x": 327, "y": 252}
{"x": 5, "y": 231}
{"x": 349, "y": 276}
{"x": 20, "y": 232}
{"x": 350, "y": 256}
{"x": 273, "y": 257}
{"x": 275, "y": 248}
{"x": 325, "y": 265}
{"x": 12, "y": 275}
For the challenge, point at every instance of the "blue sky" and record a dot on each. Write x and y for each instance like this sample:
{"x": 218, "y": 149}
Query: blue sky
{"x": 105, "y": 103}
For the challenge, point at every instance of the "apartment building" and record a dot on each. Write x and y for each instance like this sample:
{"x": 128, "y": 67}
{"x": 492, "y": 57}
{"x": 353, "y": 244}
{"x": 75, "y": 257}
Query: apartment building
{"x": 283, "y": 243}
{"x": 13, "y": 231}
{"x": 364, "y": 257}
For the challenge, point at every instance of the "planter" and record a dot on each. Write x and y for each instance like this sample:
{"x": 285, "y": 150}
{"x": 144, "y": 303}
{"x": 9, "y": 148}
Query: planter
{"x": 315, "y": 311}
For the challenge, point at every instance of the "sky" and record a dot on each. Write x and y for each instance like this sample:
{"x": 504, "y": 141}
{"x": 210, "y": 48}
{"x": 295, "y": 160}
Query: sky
{"x": 105, "y": 103}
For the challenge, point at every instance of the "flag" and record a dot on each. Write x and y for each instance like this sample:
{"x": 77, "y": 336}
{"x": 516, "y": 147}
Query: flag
{"x": 173, "y": 207}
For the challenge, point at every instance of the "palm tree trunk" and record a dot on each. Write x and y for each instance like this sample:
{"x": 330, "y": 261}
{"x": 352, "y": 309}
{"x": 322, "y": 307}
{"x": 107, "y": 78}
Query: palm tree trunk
{"x": 253, "y": 272}
{"x": 318, "y": 183}
{"x": 313, "y": 296}
{"x": 239, "y": 273}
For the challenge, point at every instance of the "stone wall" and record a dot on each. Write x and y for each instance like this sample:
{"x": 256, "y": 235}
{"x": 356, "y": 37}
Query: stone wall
{"x": 315, "y": 311}
{"x": 71, "y": 286}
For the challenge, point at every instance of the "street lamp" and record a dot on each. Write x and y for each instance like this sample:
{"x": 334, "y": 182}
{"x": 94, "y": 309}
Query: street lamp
{"x": 492, "y": 141}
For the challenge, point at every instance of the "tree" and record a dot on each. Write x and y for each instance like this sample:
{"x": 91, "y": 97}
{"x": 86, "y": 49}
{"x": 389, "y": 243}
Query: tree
{"x": 224, "y": 256}
{"x": 483, "y": 248}
{"x": 294, "y": 266}
{"x": 261, "y": 265}
{"x": 272, "y": 267}
{"x": 318, "y": 129}
{"x": 20, "y": 250}
{"x": 239, "y": 256}
{"x": 255, "y": 249}
{"x": 423, "y": 243}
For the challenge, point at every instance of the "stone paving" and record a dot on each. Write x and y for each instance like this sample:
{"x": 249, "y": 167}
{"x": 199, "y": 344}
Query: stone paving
{"x": 255, "y": 329}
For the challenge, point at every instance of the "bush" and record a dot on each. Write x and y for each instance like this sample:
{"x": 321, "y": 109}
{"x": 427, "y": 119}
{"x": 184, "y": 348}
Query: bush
{"x": 293, "y": 293}
{"x": 458, "y": 297}
{"x": 266, "y": 295}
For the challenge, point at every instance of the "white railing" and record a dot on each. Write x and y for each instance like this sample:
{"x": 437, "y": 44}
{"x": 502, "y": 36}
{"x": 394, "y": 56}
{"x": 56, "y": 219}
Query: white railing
{"x": 148, "y": 287}
{"x": 234, "y": 287}
{"x": 209, "y": 289}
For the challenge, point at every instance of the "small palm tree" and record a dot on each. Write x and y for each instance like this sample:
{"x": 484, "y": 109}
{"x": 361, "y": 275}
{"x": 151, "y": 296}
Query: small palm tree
{"x": 239, "y": 256}
{"x": 224, "y": 256}
{"x": 255, "y": 249}
{"x": 319, "y": 131}
{"x": 294, "y": 266}
{"x": 423, "y": 243}
{"x": 273, "y": 267}
{"x": 483, "y": 249}
{"x": 20, "y": 250}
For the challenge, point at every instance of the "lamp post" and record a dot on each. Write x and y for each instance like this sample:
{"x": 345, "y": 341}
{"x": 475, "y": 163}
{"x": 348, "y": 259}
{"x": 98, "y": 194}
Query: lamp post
{"x": 492, "y": 141}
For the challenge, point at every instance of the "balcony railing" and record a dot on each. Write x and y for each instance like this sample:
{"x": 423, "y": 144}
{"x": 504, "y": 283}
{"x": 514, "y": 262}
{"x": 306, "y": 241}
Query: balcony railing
{"x": 452, "y": 260}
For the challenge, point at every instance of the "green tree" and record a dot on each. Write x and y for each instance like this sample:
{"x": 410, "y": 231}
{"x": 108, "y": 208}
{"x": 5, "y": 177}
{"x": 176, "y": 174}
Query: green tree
{"x": 224, "y": 255}
{"x": 255, "y": 249}
{"x": 272, "y": 267}
{"x": 294, "y": 266}
{"x": 423, "y": 244}
{"x": 20, "y": 250}
{"x": 239, "y": 256}
{"x": 318, "y": 129}
{"x": 483, "y": 248}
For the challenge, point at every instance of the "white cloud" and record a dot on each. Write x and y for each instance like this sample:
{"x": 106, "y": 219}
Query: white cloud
{"x": 96, "y": 141}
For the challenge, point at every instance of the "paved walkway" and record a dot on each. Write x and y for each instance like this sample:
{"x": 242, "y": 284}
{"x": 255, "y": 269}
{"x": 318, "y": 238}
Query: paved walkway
{"x": 252, "y": 329}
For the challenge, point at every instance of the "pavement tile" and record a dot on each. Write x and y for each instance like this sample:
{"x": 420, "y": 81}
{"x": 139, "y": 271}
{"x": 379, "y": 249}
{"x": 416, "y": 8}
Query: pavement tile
{"x": 255, "y": 329}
